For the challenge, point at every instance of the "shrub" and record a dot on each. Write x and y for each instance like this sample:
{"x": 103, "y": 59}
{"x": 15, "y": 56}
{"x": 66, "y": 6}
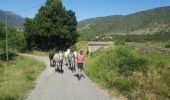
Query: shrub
{"x": 11, "y": 56}
{"x": 128, "y": 63}
{"x": 167, "y": 45}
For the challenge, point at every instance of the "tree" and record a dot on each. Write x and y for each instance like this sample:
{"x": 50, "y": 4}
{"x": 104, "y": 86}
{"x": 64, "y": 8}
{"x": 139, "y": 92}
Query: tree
{"x": 2, "y": 37}
{"x": 16, "y": 40}
{"x": 52, "y": 27}
{"x": 28, "y": 32}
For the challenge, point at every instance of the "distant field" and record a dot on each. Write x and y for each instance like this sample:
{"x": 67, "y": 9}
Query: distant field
{"x": 126, "y": 71}
{"x": 18, "y": 78}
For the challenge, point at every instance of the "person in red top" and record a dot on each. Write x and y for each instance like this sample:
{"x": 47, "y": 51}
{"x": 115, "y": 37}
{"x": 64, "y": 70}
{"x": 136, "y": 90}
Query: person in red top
{"x": 80, "y": 58}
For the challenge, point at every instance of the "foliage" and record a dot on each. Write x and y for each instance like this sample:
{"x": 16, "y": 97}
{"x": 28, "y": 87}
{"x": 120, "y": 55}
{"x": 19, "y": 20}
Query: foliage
{"x": 53, "y": 27}
{"x": 167, "y": 45}
{"x": 162, "y": 36}
{"x": 18, "y": 76}
{"x": 131, "y": 73}
{"x": 82, "y": 45}
{"x": 128, "y": 63}
{"x": 16, "y": 40}
{"x": 11, "y": 56}
{"x": 2, "y": 37}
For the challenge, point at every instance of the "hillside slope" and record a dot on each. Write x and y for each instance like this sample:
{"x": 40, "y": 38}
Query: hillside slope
{"x": 13, "y": 19}
{"x": 145, "y": 22}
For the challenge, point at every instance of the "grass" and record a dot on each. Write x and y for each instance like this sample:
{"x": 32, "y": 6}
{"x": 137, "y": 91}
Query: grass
{"x": 82, "y": 45}
{"x": 18, "y": 78}
{"x": 119, "y": 42}
{"x": 158, "y": 44}
{"x": 39, "y": 53}
{"x": 141, "y": 76}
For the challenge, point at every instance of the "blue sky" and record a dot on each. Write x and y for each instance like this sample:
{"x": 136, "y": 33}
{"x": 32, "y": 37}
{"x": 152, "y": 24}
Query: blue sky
{"x": 85, "y": 8}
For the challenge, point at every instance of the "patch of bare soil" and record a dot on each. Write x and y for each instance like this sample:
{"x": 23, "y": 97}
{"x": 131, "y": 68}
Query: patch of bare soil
{"x": 154, "y": 49}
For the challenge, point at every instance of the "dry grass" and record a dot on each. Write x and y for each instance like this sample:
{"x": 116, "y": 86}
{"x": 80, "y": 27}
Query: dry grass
{"x": 18, "y": 78}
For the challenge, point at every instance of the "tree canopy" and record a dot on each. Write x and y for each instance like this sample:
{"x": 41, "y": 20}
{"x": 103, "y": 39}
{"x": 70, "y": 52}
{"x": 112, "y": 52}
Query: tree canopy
{"x": 53, "y": 27}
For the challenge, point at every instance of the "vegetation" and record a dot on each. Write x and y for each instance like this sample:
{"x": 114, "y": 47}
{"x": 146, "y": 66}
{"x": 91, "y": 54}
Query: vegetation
{"x": 136, "y": 75}
{"x": 145, "y": 22}
{"x": 19, "y": 75}
{"x": 119, "y": 42}
{"x": 160, "y": 37}
{"x": 16, "y": 40}
{"x": 81, "y": 45}
{"x": 53, "y": 27}
{"x": 167, "y": 45}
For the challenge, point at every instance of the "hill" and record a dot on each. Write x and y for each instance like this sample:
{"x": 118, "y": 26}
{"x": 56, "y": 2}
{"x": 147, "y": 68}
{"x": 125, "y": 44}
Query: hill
{"x": 14, "y": 20}
{"x": 144, "y": 22}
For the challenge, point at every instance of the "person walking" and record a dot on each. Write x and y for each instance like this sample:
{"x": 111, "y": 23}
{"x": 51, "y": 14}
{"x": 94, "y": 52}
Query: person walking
{"x": 80, "y": 58}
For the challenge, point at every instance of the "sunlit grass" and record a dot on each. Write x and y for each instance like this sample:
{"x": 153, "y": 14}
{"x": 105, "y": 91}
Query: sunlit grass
{"x": 134, "y": 74}
{"x": 18, "y": 78}
{"x": 82, "y": 45}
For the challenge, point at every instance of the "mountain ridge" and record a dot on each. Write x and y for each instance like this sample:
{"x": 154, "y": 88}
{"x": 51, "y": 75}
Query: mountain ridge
{"x": 14, "y": 20}
{"x": 144, "y": 22}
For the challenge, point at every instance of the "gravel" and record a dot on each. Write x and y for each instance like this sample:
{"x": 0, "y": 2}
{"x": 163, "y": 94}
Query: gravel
{"x": 52, "y": 85}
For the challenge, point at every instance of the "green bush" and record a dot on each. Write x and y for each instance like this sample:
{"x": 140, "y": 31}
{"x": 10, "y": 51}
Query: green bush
{"x": 11, "y": 56}
{"x": 167, "y": 45}
{"x": 128, "y": 63}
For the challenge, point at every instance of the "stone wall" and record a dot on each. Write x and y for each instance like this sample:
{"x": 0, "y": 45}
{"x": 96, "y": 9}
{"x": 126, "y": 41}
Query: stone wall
{"x": 94, "y": 46}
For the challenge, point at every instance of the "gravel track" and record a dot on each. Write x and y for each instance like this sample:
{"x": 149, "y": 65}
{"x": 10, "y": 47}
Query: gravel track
{"x": 52, "y": 85}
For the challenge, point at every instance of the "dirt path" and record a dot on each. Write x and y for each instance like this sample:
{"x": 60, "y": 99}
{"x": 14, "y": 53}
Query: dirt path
{"x": 52, "y": 85}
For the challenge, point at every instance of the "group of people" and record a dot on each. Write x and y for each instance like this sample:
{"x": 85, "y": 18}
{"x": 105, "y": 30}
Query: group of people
{"x": 71, "y": 59}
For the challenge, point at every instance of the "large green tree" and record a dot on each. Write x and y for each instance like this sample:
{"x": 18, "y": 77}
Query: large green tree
{"x": 52, "y": 27}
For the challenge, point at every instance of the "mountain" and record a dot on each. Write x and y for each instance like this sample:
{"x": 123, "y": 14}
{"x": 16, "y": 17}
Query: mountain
{"x": 14, "y": 20}
{"x": 145, "y": 22}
